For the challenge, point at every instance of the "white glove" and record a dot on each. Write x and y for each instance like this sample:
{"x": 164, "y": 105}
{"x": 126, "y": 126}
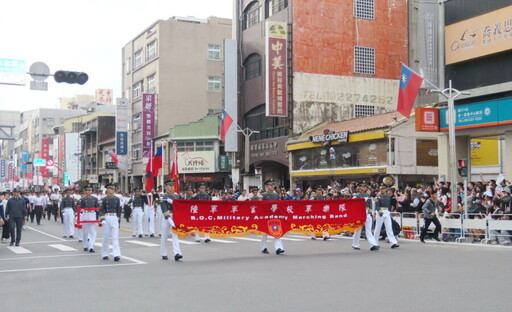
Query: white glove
{"x": 169, "y": 200}
{"x": 171, "y": 223}
{"x": 103, "y": 222}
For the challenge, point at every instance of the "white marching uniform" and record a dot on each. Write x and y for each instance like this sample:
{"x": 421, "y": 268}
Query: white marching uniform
{"x": 166, "y": 225}
{"x": 110, "y": 212}
{"x": 384, "y": 217}
{"x": 137, "y": 203}
{"x": 148, "y": 221}
{"x": 67, "y": 206}
{"x": 368, "y": 225}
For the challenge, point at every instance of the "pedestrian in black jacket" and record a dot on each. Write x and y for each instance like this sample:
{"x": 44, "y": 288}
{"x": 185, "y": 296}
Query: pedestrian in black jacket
{"x": 16, "y": 213}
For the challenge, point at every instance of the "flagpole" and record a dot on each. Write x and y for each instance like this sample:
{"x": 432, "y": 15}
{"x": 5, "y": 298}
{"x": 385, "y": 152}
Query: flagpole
{"x": 151, "y": 162}
{"x": 163, "y": 168}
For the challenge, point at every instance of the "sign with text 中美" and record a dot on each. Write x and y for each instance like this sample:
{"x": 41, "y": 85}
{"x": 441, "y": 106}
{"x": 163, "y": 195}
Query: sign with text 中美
{"x": 276, "y": 218}
{"x": 479, "y": 36}
{"x": 276, "y": 68}
{"x": 148, "y": 123}
{"x": 196, "y": 162}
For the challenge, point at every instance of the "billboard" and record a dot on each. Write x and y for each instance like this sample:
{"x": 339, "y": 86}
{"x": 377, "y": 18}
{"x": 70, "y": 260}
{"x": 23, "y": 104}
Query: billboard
{"x": 276, "y": 66}
{"x": 104, "y": 96}
{"x": 196, "y": 162}
{"x": 73, "y": 157}
{"x": 148, "y": 123}
{"x": 479, "y": 36}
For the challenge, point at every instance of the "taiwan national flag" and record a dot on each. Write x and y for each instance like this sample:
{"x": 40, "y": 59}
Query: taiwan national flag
{"x": 410, "y": 83}
{"x": 114, "y": 157}
{"x": 157, "y": 161}
{"x": 154, "y": 164}
{"x": 225, "y": 123}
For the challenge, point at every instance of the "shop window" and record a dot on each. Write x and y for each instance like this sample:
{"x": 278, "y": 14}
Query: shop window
{"x": 426, "y": 153}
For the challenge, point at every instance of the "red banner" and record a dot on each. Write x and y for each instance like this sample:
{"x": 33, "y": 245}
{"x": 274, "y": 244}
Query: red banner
{"x": 276, "y": 218}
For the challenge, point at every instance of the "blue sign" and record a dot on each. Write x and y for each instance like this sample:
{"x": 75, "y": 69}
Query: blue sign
{"x": 474, "y": 115}
{"x": 122, "y": 142}
{"x": 12, "y": 72}
{"x": 24, "y": 158}
{"x": 2, "y": 168}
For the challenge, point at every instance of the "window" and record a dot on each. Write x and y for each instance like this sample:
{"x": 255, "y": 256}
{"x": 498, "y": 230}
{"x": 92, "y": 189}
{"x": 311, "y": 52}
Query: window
{"x": 195, "y": 146}
{"x": 364, "y": 60}
{"x": 76, "y": 127}
{"x": 269, "y": 127}
{"x": 363, "y": 110}
{"x": 214, "y": 52}
{"x": 364, "y": 9}
{"x": 151, "y": 50}
{"x": 137, "y": 90}
{"x": 252, "y": 66}
{"x": 151, "y": 83}
{"x": 426, "y": 153}
{"x": 214, "y": 84}
{"x": 137, "y": 59}
{"x": 251, "y": 15}
{"x": 274, "y": 6}
{"x": 136, "y": 151}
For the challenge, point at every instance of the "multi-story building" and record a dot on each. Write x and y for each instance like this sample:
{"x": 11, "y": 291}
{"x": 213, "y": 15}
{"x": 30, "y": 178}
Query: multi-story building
{"x": 9, "y": 122}
{"x": 332, "y": 61}
{"x": 180, "y": 61}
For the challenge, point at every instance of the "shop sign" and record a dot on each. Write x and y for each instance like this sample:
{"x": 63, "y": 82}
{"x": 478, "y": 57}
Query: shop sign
{"x": 341, "y": 137}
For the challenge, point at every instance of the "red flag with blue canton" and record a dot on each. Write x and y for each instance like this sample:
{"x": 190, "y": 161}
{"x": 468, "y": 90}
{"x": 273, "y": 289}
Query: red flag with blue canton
{"x": 225, "y": 123}
{"x": 157, "y": 161}
{"x": 410, "y": 84}
{"x": 113, "y": 156}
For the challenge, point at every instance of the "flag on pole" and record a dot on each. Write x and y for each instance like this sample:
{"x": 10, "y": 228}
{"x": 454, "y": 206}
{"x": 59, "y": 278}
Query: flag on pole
{"x": 113, "y": 156}
{"x": 174, "y": 174}
{"x": 410, "y": 83}
{"x": 157, "y": 161}
{"x": 225, "y": 123}
{"x": 150, "y": 181}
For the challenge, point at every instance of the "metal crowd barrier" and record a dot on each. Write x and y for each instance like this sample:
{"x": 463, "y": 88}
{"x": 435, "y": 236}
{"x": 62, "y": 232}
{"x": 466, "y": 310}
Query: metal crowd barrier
{"x": 459, "y": 227}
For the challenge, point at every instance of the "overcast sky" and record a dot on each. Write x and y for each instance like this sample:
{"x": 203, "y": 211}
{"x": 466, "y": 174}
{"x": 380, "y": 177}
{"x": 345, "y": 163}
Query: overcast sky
{"x": 81, "y": 35}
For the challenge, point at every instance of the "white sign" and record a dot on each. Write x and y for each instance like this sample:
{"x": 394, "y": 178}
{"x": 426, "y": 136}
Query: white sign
{"x": 196, "y": 162}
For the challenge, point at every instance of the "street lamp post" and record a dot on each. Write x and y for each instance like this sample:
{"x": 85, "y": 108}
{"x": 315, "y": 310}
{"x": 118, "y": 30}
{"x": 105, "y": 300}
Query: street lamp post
{"x": 247, "y": 134}
{"x": 451, "y": 93}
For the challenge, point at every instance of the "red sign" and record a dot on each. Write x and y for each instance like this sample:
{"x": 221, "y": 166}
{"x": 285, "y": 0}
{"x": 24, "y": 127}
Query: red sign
{"x": 198, "y": 178}
{"x": 45, "y": 154}
{"x": 148, "y": 123}
{"x": 276, "y": 218}
{"x": 277, "y": 69}
{"x": 427, "y": 119}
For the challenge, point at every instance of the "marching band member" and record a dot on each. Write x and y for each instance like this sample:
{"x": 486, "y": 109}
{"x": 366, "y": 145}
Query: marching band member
{"x": 68, "y": 208}
{"x": 271, "y": 194}
{"x": 202, "y": 195}
{"x": 137, "y": 202}
{"x": 383, "y": 205}
{"x": 110, "y": 213}
{"x": 88, "y": 229}
{"x": 369, "y": 221}
{"x": 167, "y": 223}
{"x": 148, "y": 221}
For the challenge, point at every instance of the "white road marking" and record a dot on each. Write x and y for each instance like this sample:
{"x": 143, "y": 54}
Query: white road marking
{"x": 185, "y": 242}
{"x": 101, "y": 245}
{"x": 19, "y": 250}
{"x": 38, "y": 231}
{"x": 42, "y": 257}
{"x": 248, "y": 239}
{"x": 142, "y": 243}
{"x": 216, "y": 240}
{"x": 62, "y": 247}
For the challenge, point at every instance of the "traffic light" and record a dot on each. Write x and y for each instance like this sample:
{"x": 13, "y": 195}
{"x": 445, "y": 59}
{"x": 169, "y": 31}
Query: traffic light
{"x": 27, "y": 163}
{"x": 70, "y": 77}
{"x": 463, "y": 167}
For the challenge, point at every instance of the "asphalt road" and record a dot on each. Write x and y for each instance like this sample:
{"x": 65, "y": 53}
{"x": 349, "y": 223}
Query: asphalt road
{"x": 230, "y": 274}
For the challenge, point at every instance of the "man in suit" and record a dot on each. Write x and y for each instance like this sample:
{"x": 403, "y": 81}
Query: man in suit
{"x": 16, "y": 213}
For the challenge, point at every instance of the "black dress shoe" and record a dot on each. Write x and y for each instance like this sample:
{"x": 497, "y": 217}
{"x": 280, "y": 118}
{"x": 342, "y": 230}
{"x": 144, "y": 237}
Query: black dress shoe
{"x": 79, "y": 240}
{"x": 265, "y": 251}
{"x": 12, "y": 243}
{"x": 133, "y": 235}
{"x": 374, "y": 248}
{"x": 105, "y": 258}
{"x": 437, "y": 239}
{"x": 313, "y": 238}
{"x": 395, "y": 246}
{"x": 177, "y": 257}
{"x": 117, "y": 259}
{"x": 64, "y": 236}
{"x": 207, "y": 240}
{"x": 356, "y": 248}
{"x": 140, "y": 235}
{"x": 326, "y": 238}
{"x": 91, "y": 250}
{"x": 86, "y": 249}
{"x": 165, "y": 258}
{"x": 71, "y": 236}
{"x": 279, "y": 251}
{"x": 17, "y": 244}
{"x": 422, "y": 240}
{"x": 152, "y": 235}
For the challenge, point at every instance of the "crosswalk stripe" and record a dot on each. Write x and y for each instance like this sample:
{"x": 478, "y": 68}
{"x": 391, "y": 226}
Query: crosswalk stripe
{"x": 248, "y": 239}
{"x": 142, "y": 243}
{"x": 184, "y": 242}
{"x": 216, "y": 240}
{"x": 19, "y": 250}
{"x": 62, "y": 247}
{"x": 101, "y": 245}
